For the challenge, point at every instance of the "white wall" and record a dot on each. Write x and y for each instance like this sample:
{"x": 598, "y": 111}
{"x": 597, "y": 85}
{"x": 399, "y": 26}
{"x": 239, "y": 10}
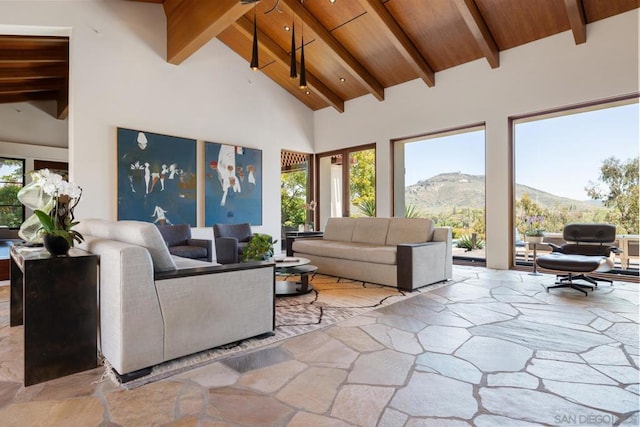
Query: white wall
{"x": 549, "y": 73}
{"x": 33, "y": 123}
{"x": 119, "y": 78}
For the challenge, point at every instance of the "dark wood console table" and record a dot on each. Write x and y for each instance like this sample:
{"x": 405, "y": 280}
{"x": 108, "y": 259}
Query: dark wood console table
{"x": 292, "y": 235}
{"x": 56, "y": 299}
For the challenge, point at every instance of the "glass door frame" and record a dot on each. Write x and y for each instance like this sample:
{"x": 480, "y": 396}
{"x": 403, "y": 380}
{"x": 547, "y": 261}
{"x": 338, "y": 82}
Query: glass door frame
{"x": 344, "y": 152}
{"x": 311, "y": 178}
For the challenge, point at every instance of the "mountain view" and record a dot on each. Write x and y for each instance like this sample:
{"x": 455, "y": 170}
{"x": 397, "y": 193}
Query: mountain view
{"x": 467, "y": 191}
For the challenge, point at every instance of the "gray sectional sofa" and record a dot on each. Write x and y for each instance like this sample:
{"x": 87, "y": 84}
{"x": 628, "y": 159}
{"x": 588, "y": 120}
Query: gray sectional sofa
{"x": 404, "y": 252}
{"x": 155, "y": 307}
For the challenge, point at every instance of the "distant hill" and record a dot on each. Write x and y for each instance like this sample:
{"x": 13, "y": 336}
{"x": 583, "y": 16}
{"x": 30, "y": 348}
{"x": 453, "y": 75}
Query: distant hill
{"x": 441, "y": 193}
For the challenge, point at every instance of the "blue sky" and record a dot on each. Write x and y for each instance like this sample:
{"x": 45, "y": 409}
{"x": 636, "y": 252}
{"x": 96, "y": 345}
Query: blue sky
{"x": 559, "y": 155}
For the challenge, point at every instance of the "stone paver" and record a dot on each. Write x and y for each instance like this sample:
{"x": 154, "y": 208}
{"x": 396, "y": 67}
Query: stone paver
{"x": 355, "y": 338}
{"x": 494, "y": 355}
{"x": 443, "y": 339}
{"x": 535, "y": 406}
{"x": 514, "y": 379}
{"x": 598, "y": 396}
{"x": 396, "y": 339}
{"x": 272, "y": 378}
{"x": 386, "y": 367}
{"x": 606, "y": 355}
{"x": 495, "y": 349}
{"x": 435, "y": 395}
{"x": 567, "y": 371}
{"x": 314, "y": 390}
{"x": 361, "y": 404}
{"x": 449, "y": 366}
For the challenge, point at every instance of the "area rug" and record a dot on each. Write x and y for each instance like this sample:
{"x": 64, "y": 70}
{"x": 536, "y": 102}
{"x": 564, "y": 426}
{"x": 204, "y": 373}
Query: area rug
{"x": 332, "y": 300}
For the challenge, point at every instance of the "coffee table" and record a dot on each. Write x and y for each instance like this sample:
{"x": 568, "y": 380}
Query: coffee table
{"x": 294, "y": 266}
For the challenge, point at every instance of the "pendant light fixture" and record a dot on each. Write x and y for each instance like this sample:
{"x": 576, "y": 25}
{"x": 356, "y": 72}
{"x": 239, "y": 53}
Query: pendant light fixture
{"x": 293, "y": 71}
{"x": 303, "y": 69}
{"x": 254, "y": 55}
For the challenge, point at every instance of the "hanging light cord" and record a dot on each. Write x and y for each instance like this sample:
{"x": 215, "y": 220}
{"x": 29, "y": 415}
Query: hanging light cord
{"x": 275, "y": 7}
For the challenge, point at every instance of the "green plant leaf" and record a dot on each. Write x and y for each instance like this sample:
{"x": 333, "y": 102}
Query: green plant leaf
{"x": 45, "y": 221}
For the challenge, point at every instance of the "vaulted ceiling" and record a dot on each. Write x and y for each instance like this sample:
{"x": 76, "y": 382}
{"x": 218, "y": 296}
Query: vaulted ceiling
{"x": 358, "y": 47}
{"x": 352, "y": 47}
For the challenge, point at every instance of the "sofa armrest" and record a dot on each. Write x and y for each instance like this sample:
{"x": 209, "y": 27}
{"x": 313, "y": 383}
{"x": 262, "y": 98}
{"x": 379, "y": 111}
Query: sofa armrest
{"x": 420, "y": 264}
{"x": 203, "y": 243}
{"x": 227, "y": 250}
{"x": 212, "y": 269}
{"x": 444, "y": 234}
{"x": 291, "y": 240}
{"x": 131, "y": 330}
{"x": 205, "y": 307}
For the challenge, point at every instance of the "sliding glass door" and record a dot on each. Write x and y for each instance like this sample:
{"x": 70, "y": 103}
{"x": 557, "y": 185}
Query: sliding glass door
{"x": 578, "y": 165}
{"x": 441, "y": 176}
{"x": 347, "y": 183}
{"x": 296, "y": 192}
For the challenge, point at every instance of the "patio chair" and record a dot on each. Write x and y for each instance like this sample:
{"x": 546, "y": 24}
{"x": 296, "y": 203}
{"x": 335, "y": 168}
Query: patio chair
{"x": 588, "y": 250}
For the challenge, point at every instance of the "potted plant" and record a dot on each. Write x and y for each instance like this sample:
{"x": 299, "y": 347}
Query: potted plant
{"x": 56, "y": 215}
{"x": 534, "y": 232}
{"x": 259, "y": 248}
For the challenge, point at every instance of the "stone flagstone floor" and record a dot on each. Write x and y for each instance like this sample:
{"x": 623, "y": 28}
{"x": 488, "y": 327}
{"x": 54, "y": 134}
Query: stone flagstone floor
{"x": 495, "y": 349}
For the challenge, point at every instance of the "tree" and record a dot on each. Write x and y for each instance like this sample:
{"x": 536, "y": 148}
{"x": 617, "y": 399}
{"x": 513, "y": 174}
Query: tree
{"x": 293, "y": 198}
{"x": 618, "y": 189}
{"x": 10, "y": 183}
{"x": 362, "y": 178}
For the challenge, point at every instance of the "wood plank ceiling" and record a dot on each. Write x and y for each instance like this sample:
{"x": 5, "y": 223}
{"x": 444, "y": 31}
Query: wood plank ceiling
{"x": 352, "y": 47}
{"x": 34, "y": 68}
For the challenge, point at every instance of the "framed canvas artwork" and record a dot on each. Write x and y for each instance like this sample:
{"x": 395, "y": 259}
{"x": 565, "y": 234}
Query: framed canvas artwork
{"x": 156, "y": 178}
{"x": 233, "y": 184}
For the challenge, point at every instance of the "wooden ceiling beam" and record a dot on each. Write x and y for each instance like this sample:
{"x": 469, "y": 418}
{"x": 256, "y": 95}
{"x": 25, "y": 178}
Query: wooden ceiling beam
{"x": 363, "y": 75}
{"x": 193, "y": 23}
{"x": 283, "y": 58}
{"x": 480, "y": 31}
{"x": 401, "y": 41}
{"x": 577, "y": 20}
{"x": 28, "y": 96}
{"x": 30, "y": 70}
{"x": 31, "y": 85}
{"x": 62, "y": 102}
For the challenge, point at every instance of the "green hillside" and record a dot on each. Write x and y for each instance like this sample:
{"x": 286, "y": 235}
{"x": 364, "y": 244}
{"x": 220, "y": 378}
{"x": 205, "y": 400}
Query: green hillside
{"x": 442, "y": 193}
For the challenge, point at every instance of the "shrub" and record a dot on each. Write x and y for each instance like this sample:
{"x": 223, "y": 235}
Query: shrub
{"x": 466, "y": 241}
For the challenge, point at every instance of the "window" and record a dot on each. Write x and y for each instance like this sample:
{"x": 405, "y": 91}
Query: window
{"x": 444, "y": 180}
{"x": 11, "y": 181}
{"x": 348, "y": 175}
{"x": 296, "y": 197}
{"x": 577, "y": 165}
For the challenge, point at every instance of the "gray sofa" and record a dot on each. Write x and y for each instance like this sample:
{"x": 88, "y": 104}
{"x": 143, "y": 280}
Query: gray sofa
{"x": 404, "y": 252}
{"x": 155, "y": 307}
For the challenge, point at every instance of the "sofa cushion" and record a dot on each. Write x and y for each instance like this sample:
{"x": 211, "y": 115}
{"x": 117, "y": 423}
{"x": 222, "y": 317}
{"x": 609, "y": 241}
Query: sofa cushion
{"x": 364, "y": 252}
{"x": 175, "y": 235}
{"x": 241, "y": 231}
{"x": 370, "y": 230}
{"x": 188, "y": 251}
{"x": 409, "y": 230}
{"x": 339, "y": 229}
{"x": 139, "y": 233}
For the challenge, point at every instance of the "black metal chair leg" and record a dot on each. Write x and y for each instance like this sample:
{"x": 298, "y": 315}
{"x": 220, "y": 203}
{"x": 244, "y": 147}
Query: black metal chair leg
{"x": 580, "y": 288}
{"x": 566, "y": 281}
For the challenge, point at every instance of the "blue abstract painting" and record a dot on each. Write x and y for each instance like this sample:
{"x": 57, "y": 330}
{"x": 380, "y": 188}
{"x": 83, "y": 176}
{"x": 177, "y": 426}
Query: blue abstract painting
{"x": 156, "y": 178}
{"x": 233, "y": 184}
